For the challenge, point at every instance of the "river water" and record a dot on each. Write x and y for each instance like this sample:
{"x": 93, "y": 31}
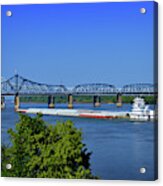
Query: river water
{"x": 119, "y": 147}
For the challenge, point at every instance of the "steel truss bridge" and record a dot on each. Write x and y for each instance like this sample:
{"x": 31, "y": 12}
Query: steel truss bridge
{"x": 22, "y": 86}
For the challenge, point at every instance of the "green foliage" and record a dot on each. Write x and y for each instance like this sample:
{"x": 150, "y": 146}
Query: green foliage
{"x": 42, "y": 99}
{"x": 45, "y": 151}
{"x": 127, "y": 99}
{"x": 150, "y": 99}
{"x": 109, "y": 99}
{"x": 83, "y": 99}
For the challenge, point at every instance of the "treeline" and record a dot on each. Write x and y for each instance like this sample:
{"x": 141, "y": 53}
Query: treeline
{"x": 127, "y": 99}
{"x": 42, "y": 99}
{"x": 84, "y": 99}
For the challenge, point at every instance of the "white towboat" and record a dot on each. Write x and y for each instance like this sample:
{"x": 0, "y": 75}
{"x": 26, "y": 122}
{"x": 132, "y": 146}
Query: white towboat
{"x": 140, "y": 111}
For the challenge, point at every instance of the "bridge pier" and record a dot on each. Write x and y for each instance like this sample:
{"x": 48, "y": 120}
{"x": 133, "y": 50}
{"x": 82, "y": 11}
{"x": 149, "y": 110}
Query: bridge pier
{"x": 2, "y": 102}
{"x": 51, "y": 101}
{"x": 70, "y": 101}
{"x": 119, "y": 100}
{"x": 17, "y": 102}
{"x": 96, "y": 101}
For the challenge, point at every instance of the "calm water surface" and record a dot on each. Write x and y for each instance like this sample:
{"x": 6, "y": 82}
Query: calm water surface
{"x": 119, "y": 147}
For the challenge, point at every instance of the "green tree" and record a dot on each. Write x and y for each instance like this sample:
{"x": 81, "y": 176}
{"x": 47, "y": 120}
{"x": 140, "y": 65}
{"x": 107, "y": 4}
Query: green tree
{"x": 42, "y": 150}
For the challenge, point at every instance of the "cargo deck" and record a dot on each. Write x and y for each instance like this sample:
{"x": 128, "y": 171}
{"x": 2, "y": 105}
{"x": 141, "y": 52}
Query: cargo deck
{"x": 102, "y": 114}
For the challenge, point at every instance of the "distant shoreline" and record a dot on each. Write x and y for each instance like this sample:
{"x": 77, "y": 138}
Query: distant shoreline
{"x": 83, "y": 99}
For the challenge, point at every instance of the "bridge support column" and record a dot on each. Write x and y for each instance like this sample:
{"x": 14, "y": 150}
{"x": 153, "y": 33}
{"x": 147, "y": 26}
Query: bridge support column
{"x": 96, "y": 101}
{"x": 51, "y": 101}
{"x": 17, "y": 102}
{"x": 2, "y": 102}
{"x": 70, "y": 101}
{"x": 119, "y": 100}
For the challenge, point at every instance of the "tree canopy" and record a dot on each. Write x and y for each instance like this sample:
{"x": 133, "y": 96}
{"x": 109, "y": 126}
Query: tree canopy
{"x": 40, "y": 150}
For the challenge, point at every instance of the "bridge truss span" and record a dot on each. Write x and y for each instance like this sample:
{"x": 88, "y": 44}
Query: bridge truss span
{"x": 141, "y": 89}
{"x": 95, "y": 89}
{"x": 22, "y": 86}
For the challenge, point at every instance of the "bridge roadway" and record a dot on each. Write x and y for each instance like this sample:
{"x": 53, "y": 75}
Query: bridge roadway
{"x": 20, "y": 86}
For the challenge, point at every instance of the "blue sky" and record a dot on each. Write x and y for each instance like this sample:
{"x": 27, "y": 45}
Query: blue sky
{"x": 72, "y": 44}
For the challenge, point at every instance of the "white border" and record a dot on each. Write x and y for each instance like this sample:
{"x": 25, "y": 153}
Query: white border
{"x": 41, "y": 182}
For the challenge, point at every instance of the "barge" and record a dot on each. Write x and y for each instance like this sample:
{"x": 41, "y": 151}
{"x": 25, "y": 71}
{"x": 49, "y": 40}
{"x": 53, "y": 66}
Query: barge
{"x": 76, "y": 113}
